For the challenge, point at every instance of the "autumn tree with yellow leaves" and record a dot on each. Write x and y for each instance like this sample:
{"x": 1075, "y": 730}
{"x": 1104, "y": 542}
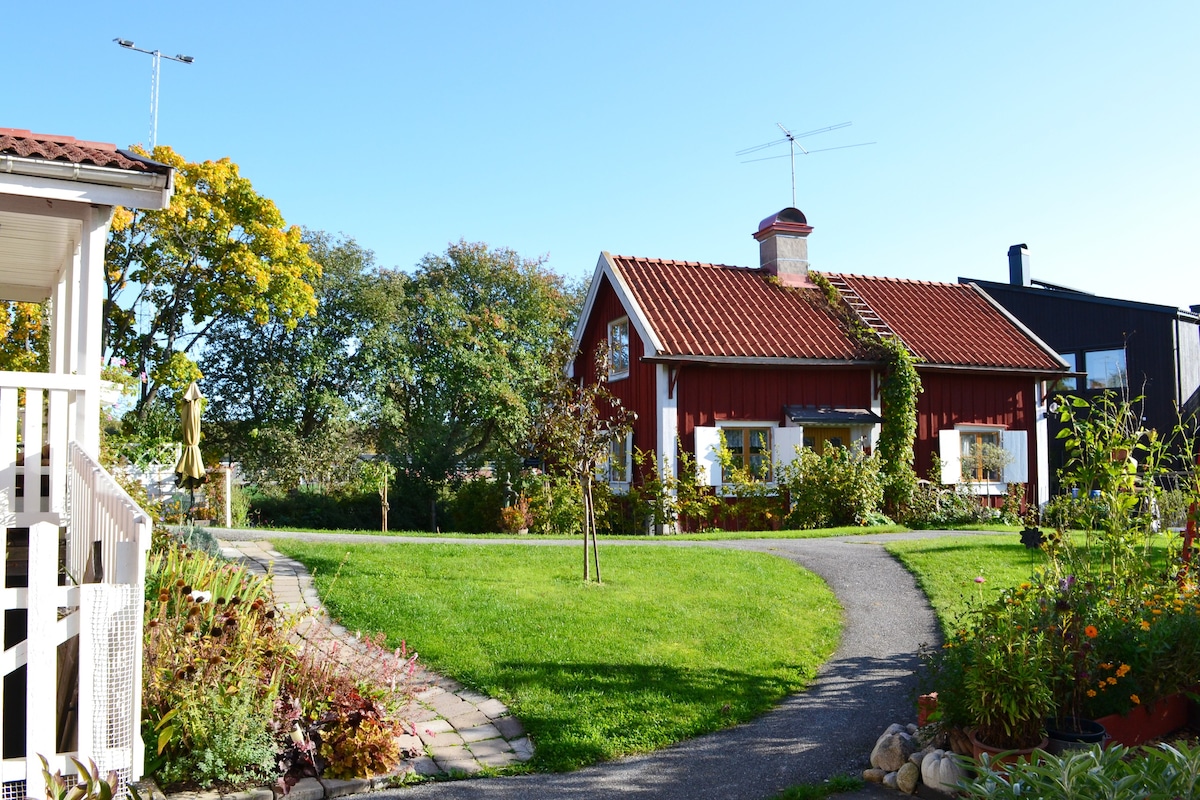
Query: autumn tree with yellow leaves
{"x": 219, "y": 251}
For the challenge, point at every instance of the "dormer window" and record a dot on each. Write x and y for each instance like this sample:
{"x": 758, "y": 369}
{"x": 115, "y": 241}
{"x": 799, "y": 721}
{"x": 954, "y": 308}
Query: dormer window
{"x": 618, "y": 348}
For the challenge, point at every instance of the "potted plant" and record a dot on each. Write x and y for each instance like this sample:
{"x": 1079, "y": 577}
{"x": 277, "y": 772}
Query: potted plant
{"x": 994, "y": 678}
{"x": 1008, "y": 695}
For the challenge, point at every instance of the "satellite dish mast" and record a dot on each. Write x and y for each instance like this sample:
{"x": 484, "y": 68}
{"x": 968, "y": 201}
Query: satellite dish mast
{"x": 793, "y": 145}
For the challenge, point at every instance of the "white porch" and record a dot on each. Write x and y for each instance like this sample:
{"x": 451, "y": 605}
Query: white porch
{"x": 74, "y": 542}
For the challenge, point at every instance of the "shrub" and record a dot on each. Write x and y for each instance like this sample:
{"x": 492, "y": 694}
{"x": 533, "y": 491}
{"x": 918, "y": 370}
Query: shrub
{"x": 1112, "y": 772}
{"x": 475, "y": 506}
{"x": 840, "y": 487}
{"x": 556, "y": 506}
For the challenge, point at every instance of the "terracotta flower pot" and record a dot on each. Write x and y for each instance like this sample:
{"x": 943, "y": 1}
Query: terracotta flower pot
{"x": 1001, "y": 755}
{"x": 1144, "y": 723}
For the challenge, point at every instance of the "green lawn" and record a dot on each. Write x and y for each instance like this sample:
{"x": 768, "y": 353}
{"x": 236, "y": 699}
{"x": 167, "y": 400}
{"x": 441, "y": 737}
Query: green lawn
{"x": 945, "y": 569}
{"x": 676, "y": 643}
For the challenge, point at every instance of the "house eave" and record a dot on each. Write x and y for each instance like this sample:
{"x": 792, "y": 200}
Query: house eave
{"x": 750, "y": 361}
{"x": 1039, "y": 372}
{"x": 86, "y": 183}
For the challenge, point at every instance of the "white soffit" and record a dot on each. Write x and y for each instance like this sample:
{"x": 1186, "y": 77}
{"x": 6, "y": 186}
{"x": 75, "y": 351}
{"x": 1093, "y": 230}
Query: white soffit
{"x": 33, "y": 250}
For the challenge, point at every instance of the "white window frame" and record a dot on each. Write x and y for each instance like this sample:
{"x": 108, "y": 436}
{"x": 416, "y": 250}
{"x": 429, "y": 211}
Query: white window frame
{"x": 1014, "y": 442}
{"x": 784, "y": 442}
{"x": 619, "y": 480}
{"x": 618, "y": 327}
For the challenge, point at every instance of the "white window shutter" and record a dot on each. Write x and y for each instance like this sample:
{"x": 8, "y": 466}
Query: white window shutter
{"x": 708, "y": 458}
{"x": 950, "y": 455}
{"x": 1016, "y": 444}
{"x": 786, "y": 440}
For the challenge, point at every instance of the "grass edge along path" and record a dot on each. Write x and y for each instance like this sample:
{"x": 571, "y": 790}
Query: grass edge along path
{"x": 710, "y": 536}
{"x": 676, "y": 642}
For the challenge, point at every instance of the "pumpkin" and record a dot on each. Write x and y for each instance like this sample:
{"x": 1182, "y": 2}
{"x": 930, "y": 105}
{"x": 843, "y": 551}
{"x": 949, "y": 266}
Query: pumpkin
{"x": 941, "y": 770}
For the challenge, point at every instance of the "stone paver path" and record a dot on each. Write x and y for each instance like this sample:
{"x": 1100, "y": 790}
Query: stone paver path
{"x": 452, "y": 729}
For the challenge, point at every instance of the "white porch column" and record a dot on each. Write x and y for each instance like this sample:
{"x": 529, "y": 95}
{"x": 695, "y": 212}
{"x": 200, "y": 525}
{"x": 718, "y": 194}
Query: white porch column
{"x": 1041, "y": 435}
{"x": 89, "y": 308}
{"x": 667, "y": 407}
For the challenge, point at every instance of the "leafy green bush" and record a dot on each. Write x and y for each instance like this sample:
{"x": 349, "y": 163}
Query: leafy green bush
{"x": 475, "y": 506}
{"x": 1114, "y": 773}
{"x": 317, "y": 510}
{"x": 556, "y": 505}
{"x": 841, "y": 487}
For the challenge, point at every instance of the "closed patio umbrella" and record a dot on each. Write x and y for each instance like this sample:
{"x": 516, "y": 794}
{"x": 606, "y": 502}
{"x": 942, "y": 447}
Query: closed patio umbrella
{"x": 189, "y": 472}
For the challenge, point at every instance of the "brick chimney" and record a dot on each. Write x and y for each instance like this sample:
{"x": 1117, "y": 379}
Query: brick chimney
{"x": 783, "y": 247}
{"x": 1018, "y": 265}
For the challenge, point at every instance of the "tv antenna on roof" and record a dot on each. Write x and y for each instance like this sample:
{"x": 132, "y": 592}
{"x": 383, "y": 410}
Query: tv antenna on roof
{"x": 793, "y": 145}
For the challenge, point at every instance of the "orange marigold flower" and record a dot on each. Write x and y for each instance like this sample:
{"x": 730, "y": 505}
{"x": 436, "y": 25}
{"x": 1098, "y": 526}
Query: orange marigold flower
{"x": 1111, "y": 681}
{"x": 1123, "y": 670}
{"x": 1136, "y": 700}
{"x": 1145, "y": 625}
{"x": 1091, "y": 692}
{"x": 1091, "y": 631}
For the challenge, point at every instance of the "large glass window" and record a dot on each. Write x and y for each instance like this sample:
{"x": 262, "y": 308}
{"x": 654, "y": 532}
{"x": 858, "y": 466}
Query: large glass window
{"x": 618, "y": 348}
{"x": 1105, "y": 369}
{"x": 750, "y": 449}
{"x": 983, "y": 457}
{"x": 1067, "y": 384}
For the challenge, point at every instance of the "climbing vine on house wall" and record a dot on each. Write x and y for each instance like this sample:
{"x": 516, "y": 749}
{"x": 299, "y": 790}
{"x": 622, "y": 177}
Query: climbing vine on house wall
{"x": 899, "y": 390}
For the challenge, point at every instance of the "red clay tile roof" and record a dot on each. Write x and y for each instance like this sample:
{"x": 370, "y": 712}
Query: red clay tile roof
{"x": 950, "y": 324}
{"x": 712, "y": 310}
{"x": 26, "y": 144}
{"x": 718, "y": 311}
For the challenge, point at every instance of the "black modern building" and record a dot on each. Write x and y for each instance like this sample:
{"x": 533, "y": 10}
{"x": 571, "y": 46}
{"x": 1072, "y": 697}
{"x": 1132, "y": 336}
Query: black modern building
{"x": 1138, "y": 349}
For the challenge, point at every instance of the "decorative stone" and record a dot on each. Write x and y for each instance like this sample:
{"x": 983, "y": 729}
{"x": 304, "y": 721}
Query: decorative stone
{"x": 873, "y": 775}
{"x": 892, "y": 750}
{"x": 908, "y": 777}
{"x": 961, "y": 743}
{"x": 890, "y": 781}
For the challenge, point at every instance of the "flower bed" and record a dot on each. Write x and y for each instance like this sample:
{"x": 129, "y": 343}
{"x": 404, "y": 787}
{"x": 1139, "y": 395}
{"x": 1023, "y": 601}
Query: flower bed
{"x": 229, "y": 701}
{"x": 1110, "y": 625}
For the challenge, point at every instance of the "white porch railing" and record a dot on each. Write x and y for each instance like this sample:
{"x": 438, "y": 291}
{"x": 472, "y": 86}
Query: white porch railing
{"x": 74, "y": 553}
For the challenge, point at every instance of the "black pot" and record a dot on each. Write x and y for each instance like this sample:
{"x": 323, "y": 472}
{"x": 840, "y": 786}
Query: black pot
{"x": 1073, "y": 733}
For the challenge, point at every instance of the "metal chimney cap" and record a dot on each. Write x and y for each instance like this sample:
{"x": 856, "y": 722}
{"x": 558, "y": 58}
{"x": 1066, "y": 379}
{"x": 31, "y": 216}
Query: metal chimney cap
{"x": 793, "y": 215}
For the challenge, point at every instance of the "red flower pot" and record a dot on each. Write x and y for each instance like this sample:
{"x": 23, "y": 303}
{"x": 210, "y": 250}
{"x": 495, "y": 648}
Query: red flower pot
{"x": 1144, "y": 723}
{"x": 1000, "y": 756}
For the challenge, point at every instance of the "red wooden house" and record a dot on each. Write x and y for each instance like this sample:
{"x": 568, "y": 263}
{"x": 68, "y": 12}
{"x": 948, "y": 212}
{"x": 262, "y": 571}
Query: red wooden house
{"x": 760, "y": 355}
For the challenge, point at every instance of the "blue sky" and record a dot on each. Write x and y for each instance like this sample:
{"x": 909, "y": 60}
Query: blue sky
{"x": 566, "y": 128}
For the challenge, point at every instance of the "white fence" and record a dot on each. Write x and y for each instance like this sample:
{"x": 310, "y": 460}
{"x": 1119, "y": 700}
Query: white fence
{"x": 74, "y": 554}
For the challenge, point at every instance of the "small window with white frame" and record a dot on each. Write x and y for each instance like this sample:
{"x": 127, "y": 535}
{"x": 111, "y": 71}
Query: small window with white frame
{"x": 620, "y": 461}
{"x": 618, "y": 348}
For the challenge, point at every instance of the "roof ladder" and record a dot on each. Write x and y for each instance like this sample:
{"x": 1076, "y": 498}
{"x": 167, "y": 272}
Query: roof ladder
{"x": 859, "y": 307}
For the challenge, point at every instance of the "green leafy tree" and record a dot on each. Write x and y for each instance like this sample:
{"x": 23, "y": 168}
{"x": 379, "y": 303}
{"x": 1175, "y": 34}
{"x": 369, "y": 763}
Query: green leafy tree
{"x": 467, "y": 362}
{"x": 578, "y": 425}
{"x": 220, "y": 251}
{"x": 290, "y": 399}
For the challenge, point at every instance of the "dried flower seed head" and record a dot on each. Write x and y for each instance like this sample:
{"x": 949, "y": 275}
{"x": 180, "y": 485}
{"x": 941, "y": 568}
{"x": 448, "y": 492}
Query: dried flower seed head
{"x": 163, "y": 597}
{"x": 189, "y": 628}
{"x": 185, "y": 589}
{"x": 179, "y": 584}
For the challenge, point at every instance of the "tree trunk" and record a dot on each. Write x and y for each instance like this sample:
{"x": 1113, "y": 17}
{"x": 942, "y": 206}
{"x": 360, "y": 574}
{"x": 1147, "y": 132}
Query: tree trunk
{"x": 586, "y": 487}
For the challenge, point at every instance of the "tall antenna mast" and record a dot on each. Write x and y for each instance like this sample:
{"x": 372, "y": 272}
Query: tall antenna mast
{"x": 791, "y": 138}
